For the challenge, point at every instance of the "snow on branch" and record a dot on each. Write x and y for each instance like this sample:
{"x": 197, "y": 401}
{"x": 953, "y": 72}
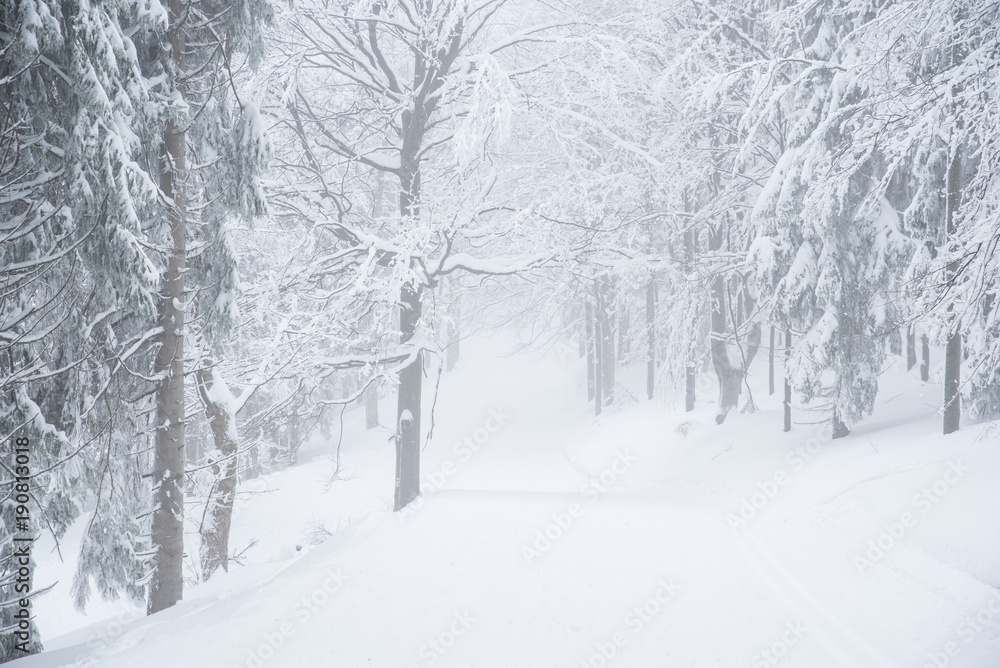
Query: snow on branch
{"x": 494, "y": 266}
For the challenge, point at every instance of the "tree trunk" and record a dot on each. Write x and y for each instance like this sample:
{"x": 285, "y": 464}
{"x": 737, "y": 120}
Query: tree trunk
{"x": 690, "y": 381}
{"x": 453, "y": 332}
{"x": 371, "y": 390}
{"x": 360, "y": 399}
{"x": 840, "y": 430}
{"x": 729, "y": 392}
{"x": 294, "y": 439}
{"x": 166, "y": 586}
{"x": 953, "y": 351}
{"x": 730, "y": 375}
{"x": 408, "y": 409}
{"x": 607, "y": 353}
{"x": 952, "y": 383}
{"x": 452, "y": 351}
{"x": 598, "y": 352}
{"x": 788, "y": 384}
{"x": 411, "y": 377}
{"x": 219, "y": 408}
{"x": 770, "y": 363}
{"x": 690, "y": 243}
{"x": 650, "y": 338}
{"x": 896, "y": 342}
{"x": 590, "y": 342}
{"x": 730, "y": 384}
{"x": 925, "y": 357}
{"x": 371, "y": 406}
{"x": 623, "y": 333}
{"x": 911, "y": 347}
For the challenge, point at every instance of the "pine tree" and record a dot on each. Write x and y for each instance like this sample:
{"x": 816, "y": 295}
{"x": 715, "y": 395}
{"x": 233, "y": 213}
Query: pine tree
{"x": 71, "y": 196}
{"x": 827, "y": 244}
{"x": 209, "y": 166}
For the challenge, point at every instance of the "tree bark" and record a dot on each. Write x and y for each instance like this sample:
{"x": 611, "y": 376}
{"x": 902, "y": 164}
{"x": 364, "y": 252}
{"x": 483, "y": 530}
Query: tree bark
{"x": 589, "y": 342}
{"x": 729, "y": 391}
{"x": 952, "y": 384}
{"x": 911, "y": 347}
{"x": 453, "y": 332}
{"x": 770, "y": 363}
{"x": 360, "y": 400}
{"x": 371, "y": 406}
{"x": 730, "y": 375}
{"x": 925, "y": 357}
{"x": 729, "y": 379}
{"x": 217, "y": 399}
{"x": 623, "y": 333}
{"x": 730, "y": 384}
{"x": 410, "y": 309}
{"x": 598, "y": 352}
{"x": 650, "y": 338}
{"x": 167, "y": 584}
{"x": 294, "y": 439}
{"x": 690, "y": 381}
{"x": 371, "y": 390}
{"x": 408, "y": 407}
{"x": 840, "y": 430}
{"x": 452, "y": 351}
{"x": 788, "y": 385}
{"x": 953, "y": 351}
{"x": 690, "y": 378}
{"x": 607, "y": 354}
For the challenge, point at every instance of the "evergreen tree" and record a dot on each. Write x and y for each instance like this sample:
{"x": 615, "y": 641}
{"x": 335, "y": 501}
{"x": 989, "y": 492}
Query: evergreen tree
{"x": 827, "y": 247}
{"x": 71, "y": 195}
{"x": 209, "y": 173}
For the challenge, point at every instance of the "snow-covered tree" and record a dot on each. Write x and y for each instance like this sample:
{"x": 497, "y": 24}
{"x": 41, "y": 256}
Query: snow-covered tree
{"x": 938, "y": 129}
{"x": 208, "y": 175}
{"x": 74, "y": 271}
{"x": 412, "y": 90}
{"x": 827, "y": 247}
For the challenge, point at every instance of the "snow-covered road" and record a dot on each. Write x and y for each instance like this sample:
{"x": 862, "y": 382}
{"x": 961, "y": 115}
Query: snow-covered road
{"x": 646, "y": 537}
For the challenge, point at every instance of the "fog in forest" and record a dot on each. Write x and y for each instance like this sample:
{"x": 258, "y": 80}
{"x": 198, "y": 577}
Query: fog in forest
{"x": 499, "y": 333}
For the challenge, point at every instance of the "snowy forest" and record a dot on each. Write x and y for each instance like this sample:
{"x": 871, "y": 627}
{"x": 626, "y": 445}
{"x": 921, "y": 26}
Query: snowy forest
{"x": 499, "y": 333}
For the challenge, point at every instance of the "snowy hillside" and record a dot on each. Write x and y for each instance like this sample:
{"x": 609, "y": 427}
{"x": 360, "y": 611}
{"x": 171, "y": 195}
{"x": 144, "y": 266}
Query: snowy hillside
{"x": 546, "y": 537}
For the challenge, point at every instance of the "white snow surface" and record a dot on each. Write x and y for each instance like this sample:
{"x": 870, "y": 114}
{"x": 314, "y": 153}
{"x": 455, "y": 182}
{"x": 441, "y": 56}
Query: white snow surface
{"x": 881, "y": 549}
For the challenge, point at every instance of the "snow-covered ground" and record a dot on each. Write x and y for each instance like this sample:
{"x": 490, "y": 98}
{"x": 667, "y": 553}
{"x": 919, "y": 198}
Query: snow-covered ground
{"x": 645, "y": 537}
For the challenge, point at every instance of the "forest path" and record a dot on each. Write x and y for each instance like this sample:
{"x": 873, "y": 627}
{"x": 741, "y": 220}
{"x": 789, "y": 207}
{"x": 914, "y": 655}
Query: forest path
{"x": 646, "y": 537}
{"x": 827, "y": 550}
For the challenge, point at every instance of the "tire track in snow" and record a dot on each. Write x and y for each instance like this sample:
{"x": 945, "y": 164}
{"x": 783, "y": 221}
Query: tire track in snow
{"x": 822, "y": 619}
{"x": 824, "y": 623}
